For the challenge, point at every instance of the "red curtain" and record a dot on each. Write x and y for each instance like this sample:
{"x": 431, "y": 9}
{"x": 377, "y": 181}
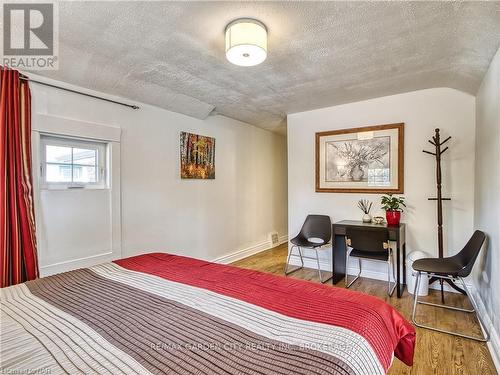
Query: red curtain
{"x": 17, "y": 219}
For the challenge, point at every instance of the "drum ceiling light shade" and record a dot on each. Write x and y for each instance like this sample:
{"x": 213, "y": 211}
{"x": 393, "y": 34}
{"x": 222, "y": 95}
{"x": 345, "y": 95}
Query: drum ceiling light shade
{"x": 246, "y": 42}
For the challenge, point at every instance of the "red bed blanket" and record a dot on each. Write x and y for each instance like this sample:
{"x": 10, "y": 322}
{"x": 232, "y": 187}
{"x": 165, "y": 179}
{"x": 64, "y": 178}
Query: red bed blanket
{"x": 166, "y": 314}
{"x": 379, "y": 323}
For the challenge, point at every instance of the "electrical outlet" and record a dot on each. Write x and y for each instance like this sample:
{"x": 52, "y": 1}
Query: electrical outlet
{"x": 273, "y": 238}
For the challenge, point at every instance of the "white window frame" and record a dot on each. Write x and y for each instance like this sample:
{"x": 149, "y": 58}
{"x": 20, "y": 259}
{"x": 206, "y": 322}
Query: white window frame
{"x": 57, "y": 140}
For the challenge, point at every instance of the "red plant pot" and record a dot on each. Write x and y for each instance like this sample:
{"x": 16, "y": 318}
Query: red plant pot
{"x": 393, "y": 217}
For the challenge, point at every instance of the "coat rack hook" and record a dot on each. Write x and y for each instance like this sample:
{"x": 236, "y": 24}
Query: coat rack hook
{"x": 446, "y": 140}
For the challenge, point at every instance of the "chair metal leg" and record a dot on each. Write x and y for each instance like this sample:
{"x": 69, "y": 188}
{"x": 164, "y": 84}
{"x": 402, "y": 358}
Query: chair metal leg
{"x": 474, "y": 305}
{"x": 486, "y": 335}
{"x": 346, "y": 266}
{"x": 302, "y": 257}
{"x": 347, "y": 283}
{"x": 319, "y": 269}
{"x": 446, "y": 306}
{"x": 288, "y": 260}
{"x": 471, "y": 298}
{"x": 415, "y": 297}
{"x": 390, "y": 265}
{"x": 394, "y": 265}
{"x": 287, "y": 272}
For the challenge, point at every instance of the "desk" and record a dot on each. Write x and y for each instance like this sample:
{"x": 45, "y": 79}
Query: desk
{"x": 396, "y": 233}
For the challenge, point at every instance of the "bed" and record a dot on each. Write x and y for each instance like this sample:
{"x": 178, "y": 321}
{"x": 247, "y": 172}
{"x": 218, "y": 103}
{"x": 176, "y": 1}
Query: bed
{"x": 165, "y": 314}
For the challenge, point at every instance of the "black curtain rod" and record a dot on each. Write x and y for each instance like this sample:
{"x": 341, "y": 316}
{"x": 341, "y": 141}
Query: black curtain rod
{"x": 133, "y": 106}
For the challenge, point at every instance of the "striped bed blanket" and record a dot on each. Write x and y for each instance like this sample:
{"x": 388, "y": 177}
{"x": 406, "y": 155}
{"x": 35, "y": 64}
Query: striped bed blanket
{"x": 166, "y": 314}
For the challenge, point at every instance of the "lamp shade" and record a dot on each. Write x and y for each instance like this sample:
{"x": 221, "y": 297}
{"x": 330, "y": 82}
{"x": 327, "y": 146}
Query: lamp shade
{"x": 246, "y": 42}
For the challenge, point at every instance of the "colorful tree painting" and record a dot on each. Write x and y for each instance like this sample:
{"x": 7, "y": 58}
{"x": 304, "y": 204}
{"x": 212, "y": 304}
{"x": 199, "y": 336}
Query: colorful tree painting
{"x": 197, "y": 156}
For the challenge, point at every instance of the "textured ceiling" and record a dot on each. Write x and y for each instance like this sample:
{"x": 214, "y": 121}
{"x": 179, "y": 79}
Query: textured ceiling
{"x": 171, "y": 54}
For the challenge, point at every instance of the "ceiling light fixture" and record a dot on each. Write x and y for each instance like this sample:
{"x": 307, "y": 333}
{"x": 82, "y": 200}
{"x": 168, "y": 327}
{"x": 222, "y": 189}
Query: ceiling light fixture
{"x": 246, "y": 42}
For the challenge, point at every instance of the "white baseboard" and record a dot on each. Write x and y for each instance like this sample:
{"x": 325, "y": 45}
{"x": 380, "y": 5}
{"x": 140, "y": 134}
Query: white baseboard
{"x": 283, "y": 239}
{"x": 93, "y": 260}
{"x": 494, "y": 343}
{"x": 252, "y": 250}
{"x": 52, "y": 269}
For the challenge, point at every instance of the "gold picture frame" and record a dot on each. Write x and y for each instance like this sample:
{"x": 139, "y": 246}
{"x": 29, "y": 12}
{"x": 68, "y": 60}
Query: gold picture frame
{"x": 367, "y": 159}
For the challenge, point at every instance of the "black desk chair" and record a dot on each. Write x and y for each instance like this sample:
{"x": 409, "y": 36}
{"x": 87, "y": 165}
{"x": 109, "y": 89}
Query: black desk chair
{"x": 316, "y": 232}
{"x": 453, "y": 268}
{"x": 372, "y": 245}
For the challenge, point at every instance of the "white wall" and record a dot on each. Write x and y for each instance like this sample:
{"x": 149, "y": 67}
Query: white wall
{"x": 76, "y": 227}
{"x": 205, "y": 219}
{"x": 421, "y": 111}
{"x": 487, "y": 200}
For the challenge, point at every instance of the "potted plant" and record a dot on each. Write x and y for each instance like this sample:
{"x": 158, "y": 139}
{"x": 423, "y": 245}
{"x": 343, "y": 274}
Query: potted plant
{"x": 392, "y": 206}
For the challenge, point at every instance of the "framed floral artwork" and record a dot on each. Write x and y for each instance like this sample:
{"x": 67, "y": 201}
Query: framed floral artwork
{"x": 365, "y": 160}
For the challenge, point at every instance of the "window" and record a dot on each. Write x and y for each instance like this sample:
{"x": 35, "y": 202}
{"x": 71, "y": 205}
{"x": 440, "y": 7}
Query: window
{"x": 72, "y": 163}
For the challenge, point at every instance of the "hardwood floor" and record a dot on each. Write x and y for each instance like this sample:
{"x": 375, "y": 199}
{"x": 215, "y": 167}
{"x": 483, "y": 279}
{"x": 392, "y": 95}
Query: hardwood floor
{"x": 436, "y": 353}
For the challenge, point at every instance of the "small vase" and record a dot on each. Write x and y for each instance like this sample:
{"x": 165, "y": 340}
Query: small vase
{"x": 367, "y": 218}
{"x": 393, "y": 217}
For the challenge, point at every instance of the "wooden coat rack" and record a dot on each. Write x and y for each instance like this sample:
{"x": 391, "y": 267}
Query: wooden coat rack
{"x": 436, "y": 142}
